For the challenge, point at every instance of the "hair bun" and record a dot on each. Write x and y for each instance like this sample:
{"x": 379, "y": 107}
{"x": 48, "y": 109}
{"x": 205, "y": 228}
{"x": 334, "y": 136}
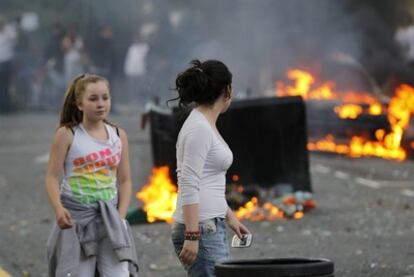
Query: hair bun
{"x": 202, "y": 83}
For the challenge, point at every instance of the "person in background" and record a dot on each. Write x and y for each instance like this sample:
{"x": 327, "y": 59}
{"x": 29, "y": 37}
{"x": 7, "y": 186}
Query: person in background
{"x": 404, "y": 36}
{"x": 73, "y": 47}
{"x": 53, "y": 65}
{"x": 135, "y": 69}
{"x": 203, "y": 157}
{"x": 92, "y": 201}
{"x": 102, "y": 53}
{"x": 8, "y": 36}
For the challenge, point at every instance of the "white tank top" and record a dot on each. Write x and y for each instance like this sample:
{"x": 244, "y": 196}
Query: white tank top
{"x": 90, "y": 166}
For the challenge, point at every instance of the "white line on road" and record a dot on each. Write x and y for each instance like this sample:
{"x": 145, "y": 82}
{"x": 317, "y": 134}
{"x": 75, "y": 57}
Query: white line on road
{"x": 322, "y": 169}
{"x": 41, "y": 159}
{"x": 341, "y": 175}
{"x": 408, "y": 192}
{"x": 368, "y": 183}
{"x": 3, "y": 181}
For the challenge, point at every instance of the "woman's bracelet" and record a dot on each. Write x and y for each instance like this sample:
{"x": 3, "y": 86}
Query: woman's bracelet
{"x": 192, "y": 235}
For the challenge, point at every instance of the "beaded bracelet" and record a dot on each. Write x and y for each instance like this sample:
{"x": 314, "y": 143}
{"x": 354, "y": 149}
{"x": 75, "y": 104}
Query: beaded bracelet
{"x": 192, "y": 235}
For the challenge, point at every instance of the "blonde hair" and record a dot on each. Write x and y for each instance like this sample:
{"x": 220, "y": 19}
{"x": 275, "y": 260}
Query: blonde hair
{"x": 70, "y": 115}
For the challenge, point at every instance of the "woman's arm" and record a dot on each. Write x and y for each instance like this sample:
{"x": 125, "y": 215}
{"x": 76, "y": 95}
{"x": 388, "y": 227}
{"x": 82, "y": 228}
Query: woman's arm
{"x": 190, "y": 247}
{"x": 235, "y": 224}
{"x": 196, "y": 145}
{"x": 61, "y": 143}
{"x": 124, "y": 177}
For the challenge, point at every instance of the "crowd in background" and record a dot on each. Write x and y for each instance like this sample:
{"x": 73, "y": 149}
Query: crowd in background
{"x": 141, "y": 45}
{"x": 34, "y": 73}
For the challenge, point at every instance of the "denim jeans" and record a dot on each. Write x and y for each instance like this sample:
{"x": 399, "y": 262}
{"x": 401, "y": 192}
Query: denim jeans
{"x": 213, "y": 246}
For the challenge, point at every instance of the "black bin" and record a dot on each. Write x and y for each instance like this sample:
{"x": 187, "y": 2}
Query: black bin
{"x": 273, "y": 267}
{"x": 268, "y": 137}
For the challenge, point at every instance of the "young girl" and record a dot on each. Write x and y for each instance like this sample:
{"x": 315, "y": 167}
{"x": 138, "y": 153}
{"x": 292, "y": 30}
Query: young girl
{"x": 92, "y": 200}
{"x": 203, "y": 157}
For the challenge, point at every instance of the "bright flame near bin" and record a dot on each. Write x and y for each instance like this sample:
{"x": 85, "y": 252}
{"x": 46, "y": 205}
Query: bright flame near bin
{"x": 159, "y": 196}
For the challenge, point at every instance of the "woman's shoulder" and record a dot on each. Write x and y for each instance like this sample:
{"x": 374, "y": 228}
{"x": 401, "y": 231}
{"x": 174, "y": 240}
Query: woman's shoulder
{"x": 198, "y": 130}
{"x": 195, "y": 123}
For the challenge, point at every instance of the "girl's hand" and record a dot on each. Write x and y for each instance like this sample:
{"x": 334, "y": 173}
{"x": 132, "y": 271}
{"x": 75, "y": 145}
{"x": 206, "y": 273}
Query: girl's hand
{"x": 238, "y": 228}
{"x": 189, "y": 252}
{"x": 63, "y": 218}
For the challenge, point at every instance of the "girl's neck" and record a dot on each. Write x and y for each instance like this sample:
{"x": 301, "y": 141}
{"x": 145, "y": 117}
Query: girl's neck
{"x": 92, "y": 125}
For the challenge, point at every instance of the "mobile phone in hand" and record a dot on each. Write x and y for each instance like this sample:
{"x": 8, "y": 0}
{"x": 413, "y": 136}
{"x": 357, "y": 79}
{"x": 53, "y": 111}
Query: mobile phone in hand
{"x": 245, "y": 241}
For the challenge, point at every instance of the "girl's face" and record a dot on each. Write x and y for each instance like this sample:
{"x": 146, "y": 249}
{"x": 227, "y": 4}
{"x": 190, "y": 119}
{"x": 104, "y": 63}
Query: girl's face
{"x": 95, "y": 101}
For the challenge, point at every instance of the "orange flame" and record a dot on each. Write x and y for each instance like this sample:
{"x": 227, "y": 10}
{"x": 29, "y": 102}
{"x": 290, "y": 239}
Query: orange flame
{"x": 375, "y": 109}
{"x": 387, "y": 146}
{"x": 253, "y": 212}
{"x": 304, "y": 86}
{"x": 159, "y": 196}
{"x": 350, "y": 111}
{"x": 303, "y": 83}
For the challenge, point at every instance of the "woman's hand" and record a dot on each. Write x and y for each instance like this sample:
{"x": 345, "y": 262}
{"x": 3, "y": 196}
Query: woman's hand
{"x": 236, "y": 225}
{"x": 63, "y": 218}
{"x": 189, "y": 252}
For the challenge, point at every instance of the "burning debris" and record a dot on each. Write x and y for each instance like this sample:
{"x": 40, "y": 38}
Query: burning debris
{"x": 386, "y": 144}
{"x": 160, "y": 194}
{"x": 278, "y": 202}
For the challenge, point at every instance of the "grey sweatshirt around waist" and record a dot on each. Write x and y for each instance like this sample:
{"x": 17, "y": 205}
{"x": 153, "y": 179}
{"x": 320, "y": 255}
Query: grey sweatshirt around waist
{"x": 92, "y": 222}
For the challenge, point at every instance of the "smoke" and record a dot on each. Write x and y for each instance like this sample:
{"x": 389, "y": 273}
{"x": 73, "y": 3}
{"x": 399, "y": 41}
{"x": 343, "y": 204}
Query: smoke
{"x": 258, "y": 40}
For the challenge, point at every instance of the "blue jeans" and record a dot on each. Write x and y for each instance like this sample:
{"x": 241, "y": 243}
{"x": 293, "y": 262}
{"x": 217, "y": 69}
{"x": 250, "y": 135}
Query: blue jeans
{"x": 213, "y": 246}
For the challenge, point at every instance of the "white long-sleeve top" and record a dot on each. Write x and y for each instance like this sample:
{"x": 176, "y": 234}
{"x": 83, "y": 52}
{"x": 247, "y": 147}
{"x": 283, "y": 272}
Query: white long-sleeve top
{"x": 203, "y": 158}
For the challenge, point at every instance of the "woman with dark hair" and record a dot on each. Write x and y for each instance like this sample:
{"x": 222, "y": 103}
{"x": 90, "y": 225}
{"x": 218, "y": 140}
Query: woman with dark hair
{"x": 203, "y": 157}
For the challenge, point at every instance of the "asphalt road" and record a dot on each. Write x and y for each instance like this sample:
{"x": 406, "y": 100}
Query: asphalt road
{"x": 364, "y": 220}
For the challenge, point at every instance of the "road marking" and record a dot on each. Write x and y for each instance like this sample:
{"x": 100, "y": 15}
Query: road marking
{"x": 322, "y": 169}
{"x": 341, "y": 175}
{"x": 368, "y": 183}
{"x": 4, "y": 273}
{"x": 3, "y": 181}
{"x": 408, "y": 192}
{"x": 42, "y": 159}
{"x": 396, "y": 184}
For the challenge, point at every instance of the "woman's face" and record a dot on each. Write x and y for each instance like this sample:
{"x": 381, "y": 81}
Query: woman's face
{"x": 95, "y": 102}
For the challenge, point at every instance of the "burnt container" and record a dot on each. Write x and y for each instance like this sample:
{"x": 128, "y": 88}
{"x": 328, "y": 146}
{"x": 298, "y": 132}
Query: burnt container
{"x": 268, "y": 137}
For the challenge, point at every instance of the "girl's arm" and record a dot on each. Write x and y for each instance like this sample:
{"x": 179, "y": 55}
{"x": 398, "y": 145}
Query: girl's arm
{"x": 60, "y": 146}
{"x": 124, "y": 177}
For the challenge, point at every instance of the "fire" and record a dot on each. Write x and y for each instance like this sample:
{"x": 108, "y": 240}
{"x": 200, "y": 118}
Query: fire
{"x": 351, "y": 111}
{"x": 159, "y": 196}
{"x": 290, "y": 206}
{"x": 387, "y": 146}
{"x": 253, "y": 212}
{"x": 302, "y": 87}
{"x": 305, "y": 86}
{"x": 375, "y": 109}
